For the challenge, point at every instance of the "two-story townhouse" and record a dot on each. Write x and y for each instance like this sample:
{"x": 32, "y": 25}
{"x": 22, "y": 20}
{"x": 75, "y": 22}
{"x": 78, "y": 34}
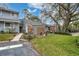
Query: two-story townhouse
{"x": 9, "y": 21}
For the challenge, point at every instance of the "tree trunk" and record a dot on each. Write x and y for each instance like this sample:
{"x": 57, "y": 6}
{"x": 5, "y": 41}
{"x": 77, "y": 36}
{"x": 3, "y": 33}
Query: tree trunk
{"x": 58, "y": 25}
{"x": 59, "y": 28}
{"x": 65, "y": 25}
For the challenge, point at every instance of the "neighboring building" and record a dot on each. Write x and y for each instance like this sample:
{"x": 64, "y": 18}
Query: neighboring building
{"x": 51, "y": 28}
{"x": 33, "y": 26}
{"x": 50, "y": 24}
{"x": 9, "y": 21}
{"x": 37, "y": 27}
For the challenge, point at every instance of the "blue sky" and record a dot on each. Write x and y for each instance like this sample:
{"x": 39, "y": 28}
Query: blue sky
{"x": 20, "y": 6}
{"x": 33, "y": 8}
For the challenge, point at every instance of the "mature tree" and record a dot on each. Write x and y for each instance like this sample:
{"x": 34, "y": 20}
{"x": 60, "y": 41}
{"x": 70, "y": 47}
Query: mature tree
{"x": 60, "y": 13}
{"x": 63, "y": 11}
{"x": 27, "y": 14}
{"x": 69, "y": 13}
{"x": 50, "y": 10}
{"x": 74, "y": 26}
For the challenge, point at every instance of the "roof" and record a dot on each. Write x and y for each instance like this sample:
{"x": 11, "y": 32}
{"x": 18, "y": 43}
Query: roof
{"x": 8, "y": 10}
{"x": 35, "y": 23}
{"x": 9, "y": 20}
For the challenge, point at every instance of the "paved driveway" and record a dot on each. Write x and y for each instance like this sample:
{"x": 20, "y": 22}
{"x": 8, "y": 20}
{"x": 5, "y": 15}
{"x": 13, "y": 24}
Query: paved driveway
{"x": 17, "y": 48}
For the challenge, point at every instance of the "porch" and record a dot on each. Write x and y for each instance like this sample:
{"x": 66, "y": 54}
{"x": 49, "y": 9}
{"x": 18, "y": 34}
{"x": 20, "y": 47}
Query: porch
{"x": 9, "y": 26}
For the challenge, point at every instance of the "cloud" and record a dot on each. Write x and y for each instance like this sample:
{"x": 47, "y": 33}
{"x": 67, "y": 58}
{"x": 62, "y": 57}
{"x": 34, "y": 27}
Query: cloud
{"x": 29, "y": 10}
{"x": 32, "y": 10}
{"x": 36, "y": 5}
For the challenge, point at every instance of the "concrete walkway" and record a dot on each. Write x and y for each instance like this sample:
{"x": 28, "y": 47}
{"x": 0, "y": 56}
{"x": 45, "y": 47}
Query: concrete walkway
{"x": 17, "y": 37}
{"x": 75, "y": 34}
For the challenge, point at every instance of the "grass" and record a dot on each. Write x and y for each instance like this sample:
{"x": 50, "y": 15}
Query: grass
{"x": 56, "y": 45}
{"x": 6, "y": 37}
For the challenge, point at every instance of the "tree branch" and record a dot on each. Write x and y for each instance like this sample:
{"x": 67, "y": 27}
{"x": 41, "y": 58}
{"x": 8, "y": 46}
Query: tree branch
{"x": 73, "y": 10}
{"x": 62, "y": 6}
{"x": 60, "y": 14}
{"x": 74, "y": 19}
{"x": 75, "y": 15}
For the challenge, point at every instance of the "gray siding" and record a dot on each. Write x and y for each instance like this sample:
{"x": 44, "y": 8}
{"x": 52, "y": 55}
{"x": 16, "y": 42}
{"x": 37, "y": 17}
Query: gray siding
{"x": 1, "y": 26}
{"x": 9, "y": 16}
{"x": 13, "y": 26}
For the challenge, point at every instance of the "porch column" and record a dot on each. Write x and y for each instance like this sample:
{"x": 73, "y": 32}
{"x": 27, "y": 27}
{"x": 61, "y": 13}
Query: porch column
{"x": 26, "y": 28}
{"x": 18, "y": 28}
{"x": 4, "y": 26}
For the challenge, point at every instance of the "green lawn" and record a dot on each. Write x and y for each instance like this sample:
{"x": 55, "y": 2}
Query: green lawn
{"x": 56, "y": 45}
{"x": 6, "y": 37}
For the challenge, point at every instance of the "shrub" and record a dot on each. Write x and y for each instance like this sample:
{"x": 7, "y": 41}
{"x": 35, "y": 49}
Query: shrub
{"x": 25, "y": 33}
{"x": 28, "y": 37}
{"x": 1, "y": 31}
{"x": 63, "y": 33}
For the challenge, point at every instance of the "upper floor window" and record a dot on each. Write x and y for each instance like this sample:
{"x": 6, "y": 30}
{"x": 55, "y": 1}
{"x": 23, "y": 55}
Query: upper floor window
{"x": 8, "y": 14}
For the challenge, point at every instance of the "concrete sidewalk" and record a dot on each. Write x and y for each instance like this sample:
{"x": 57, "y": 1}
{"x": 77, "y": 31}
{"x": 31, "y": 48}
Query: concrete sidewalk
{"x": 17, "y": 37}
{"x": 75, "y": 34}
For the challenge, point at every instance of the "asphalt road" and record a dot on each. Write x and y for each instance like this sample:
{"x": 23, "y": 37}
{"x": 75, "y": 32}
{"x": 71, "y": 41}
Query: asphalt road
{"x": 17, "y": 48}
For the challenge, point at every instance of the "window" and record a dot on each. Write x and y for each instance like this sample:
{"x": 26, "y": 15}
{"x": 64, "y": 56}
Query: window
{"x": 7, "y": 24}
{"x": 13, "y": 14}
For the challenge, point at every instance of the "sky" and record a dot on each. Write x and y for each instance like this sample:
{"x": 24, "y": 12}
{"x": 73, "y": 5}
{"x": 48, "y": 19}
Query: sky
{"x": 32, "y": 8}
{"x": 20, "y": 6}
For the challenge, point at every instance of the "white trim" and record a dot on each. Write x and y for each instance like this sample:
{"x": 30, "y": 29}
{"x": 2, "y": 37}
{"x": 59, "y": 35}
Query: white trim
{"x": 10, "y": 47}
{"x": 4, "y": 26}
